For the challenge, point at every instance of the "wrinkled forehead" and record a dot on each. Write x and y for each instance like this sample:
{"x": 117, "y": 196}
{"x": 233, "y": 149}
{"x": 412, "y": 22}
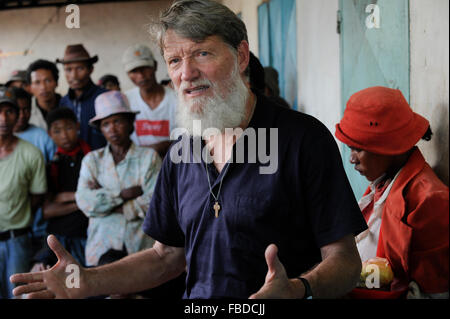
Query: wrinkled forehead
{"x": 172, "y": 41}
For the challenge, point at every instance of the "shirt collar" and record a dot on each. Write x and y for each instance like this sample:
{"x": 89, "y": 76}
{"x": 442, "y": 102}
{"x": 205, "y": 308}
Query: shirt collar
{"x": 58, "y": 98}
{"x": 88, "y": 90}
{"x": 262, "y": 114}
{"x": 130, "y": 154}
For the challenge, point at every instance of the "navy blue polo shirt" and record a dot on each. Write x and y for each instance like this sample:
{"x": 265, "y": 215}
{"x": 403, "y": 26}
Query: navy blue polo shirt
{"x": 84, "y": 109}
{"x": 306, "y": 204}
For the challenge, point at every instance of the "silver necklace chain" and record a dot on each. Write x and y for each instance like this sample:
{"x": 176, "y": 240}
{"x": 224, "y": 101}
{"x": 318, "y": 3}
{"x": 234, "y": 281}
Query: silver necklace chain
{"x": 226, "y": 169}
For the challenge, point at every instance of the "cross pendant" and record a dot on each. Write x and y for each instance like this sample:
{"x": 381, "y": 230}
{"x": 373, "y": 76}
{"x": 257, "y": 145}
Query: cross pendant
{"x": 216, "y": 209}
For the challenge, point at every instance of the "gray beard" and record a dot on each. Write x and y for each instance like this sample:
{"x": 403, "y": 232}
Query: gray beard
{"x": 219, "y": 111}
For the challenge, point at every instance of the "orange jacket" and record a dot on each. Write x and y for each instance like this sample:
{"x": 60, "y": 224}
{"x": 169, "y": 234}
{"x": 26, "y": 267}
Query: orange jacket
{"x": 414, "y": 233}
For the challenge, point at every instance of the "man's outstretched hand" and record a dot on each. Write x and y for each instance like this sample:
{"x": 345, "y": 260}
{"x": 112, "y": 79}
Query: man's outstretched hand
{"x": 51, "y": 283}
{"x": 277, "y": 284}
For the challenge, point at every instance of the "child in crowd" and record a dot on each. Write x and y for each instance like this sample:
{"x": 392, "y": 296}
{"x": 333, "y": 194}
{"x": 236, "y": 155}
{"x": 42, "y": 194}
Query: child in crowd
{"x": 65, "y": 220}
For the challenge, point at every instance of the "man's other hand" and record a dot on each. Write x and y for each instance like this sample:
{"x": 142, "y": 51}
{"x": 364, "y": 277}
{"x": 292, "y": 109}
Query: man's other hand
{"x": 277, "y": 284}
{"x": 54, "y": 282}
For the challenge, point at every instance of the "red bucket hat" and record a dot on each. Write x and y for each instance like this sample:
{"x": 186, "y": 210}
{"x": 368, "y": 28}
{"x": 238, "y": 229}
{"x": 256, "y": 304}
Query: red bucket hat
{"x": 380, "y": 120}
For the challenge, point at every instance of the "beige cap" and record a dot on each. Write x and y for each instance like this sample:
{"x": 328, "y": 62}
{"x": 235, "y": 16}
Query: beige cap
{"x": 138, "y": 56}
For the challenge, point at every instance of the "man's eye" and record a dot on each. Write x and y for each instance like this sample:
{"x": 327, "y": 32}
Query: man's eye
{"x": 174, "y": 61}
{"x": 203, "y": 53}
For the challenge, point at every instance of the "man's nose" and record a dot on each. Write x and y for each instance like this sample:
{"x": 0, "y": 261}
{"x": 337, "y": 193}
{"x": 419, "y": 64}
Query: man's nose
{"x": 114, "y": 128}
{"x": 139, "y": 76}
{"x": 63, "y": 135}
{"x": 75, "y": 75}
{"x": 111, "y": 129}
{"x": 353, "y": 158}
{"x": 189, "y": 71}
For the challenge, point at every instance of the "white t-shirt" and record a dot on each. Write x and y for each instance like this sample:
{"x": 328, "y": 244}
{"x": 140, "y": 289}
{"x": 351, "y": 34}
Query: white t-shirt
{"x": 152, "y": 126}
{"x": 36, "y": 117}
{"x": 367, "y": 241}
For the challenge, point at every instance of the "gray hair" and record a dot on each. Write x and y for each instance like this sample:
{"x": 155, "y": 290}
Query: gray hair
{"x": 198, "y": 19}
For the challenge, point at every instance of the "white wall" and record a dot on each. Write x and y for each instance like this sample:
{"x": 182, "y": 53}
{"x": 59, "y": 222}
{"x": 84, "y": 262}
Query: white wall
{"x": 318, "y": 50}
{"x": 106, "y": 30}
{"x": 318, "y": 60}
{"x": 430, "y": 77}
{"x": 249, "y": 11}
{"x": 317, "y": 54}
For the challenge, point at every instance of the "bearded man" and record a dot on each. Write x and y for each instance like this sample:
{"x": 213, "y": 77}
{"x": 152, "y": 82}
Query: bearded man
{"x": 239, "y": 233}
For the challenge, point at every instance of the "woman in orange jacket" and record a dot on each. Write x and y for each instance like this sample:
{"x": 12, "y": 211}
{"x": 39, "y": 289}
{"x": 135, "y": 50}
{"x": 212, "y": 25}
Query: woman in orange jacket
{"x": 406, "y": 205}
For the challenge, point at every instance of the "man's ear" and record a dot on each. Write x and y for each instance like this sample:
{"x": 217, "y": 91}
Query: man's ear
{"x": 243, "y": 56}
{"x": 91, "y": 68}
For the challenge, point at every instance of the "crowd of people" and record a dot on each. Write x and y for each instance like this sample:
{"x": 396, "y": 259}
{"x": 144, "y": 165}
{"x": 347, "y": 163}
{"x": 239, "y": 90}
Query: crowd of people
{"x": 92, "y": 169}
{"x": 95, "y": 209}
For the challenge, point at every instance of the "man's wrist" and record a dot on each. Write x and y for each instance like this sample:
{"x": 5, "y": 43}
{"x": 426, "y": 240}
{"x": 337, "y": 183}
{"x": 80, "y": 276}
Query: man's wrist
{"x": 302, "y": 288}
{"x": 86, "y": 279}
{"x": 307, "y": 287}
{"x": 297, "y": 288}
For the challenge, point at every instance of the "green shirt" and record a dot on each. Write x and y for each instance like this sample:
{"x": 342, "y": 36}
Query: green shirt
{"x": 21, "y": 173}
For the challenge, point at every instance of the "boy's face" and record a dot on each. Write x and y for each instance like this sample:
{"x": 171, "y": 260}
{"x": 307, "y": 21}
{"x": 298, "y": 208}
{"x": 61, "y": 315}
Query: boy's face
{"x": 64, "y": 133}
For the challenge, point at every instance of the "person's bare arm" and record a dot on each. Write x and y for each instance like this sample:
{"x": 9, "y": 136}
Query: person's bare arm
{"x": 137, "y": 272}
{"x": 131, "y": 193}
{"x": 60, "y": 204}
{"x": 36, "y": 201}
{"x": 339, "y": 271}
{"x": 334, "y": 277}
{"x": 51, "y": 210}
{"x": 64, "y": 197}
